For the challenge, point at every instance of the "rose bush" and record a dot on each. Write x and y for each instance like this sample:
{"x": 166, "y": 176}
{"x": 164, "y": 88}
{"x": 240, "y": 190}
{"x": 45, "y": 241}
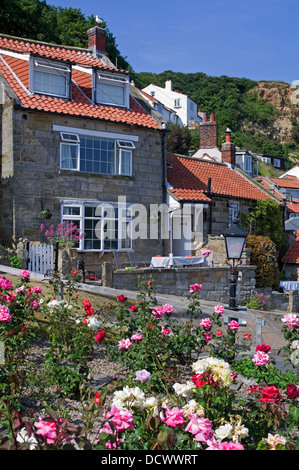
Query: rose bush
{"x": 180, "y": 392}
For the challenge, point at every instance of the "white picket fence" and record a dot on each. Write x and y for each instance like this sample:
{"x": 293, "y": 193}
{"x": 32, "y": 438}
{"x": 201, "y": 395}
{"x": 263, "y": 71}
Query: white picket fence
{"x": 41, "y": 258}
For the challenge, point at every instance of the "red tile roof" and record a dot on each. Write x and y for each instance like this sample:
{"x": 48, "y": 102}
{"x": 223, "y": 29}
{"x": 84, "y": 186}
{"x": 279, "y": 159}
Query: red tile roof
{"x": 188, "y": 178}
{"x": 292, "y": 255}
{"x": 15, "y": 70}
{"x": 293, "y": 208}
{"x": 286, "y": 183}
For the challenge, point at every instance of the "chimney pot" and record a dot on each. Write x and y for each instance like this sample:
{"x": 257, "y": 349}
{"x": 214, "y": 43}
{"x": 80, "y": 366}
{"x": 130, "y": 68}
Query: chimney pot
{"x": 228, "y": 135}
{"x": 212, "y": 117}
{"x": 205, "y": 117}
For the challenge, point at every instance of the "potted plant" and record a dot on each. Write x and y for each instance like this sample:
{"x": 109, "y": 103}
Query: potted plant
{"x": 47, "y": 214}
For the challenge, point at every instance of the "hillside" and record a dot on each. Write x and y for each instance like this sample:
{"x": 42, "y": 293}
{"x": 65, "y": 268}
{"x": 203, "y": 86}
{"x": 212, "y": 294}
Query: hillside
{"x": 261, "y": 115}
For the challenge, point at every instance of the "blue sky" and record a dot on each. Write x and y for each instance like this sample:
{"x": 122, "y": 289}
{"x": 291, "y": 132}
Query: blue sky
{"x": 256, "y": 39}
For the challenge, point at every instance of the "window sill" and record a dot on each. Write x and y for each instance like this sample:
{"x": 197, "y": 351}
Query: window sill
{"x": 96, "y": 175}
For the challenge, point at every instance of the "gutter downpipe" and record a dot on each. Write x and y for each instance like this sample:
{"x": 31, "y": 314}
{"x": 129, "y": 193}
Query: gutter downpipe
{"x": 164, "y": 182}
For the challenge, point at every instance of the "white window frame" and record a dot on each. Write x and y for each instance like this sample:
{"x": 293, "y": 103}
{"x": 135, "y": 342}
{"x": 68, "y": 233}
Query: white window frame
{"x": 123, "y": 244}
{"x": 115, "y": 80}
{"x": 53, "y": 68}
{"x": 121, "y": 146}
{"x": 233, "y": 211}
{"x": 71, "y": 140}
{"x": 177, "y": 103}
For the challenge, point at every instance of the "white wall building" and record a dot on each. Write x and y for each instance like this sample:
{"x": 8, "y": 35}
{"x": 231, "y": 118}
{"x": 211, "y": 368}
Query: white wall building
{"x": 185, "y": 109}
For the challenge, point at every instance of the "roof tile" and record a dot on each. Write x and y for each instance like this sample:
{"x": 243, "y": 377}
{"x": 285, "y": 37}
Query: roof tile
{"x": 16, "y": 73}
{"x": 189, "y": 179}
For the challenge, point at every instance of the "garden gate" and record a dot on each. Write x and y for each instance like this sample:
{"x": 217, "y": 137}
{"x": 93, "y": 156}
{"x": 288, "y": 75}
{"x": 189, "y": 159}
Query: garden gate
{"x": 41, "y": 258}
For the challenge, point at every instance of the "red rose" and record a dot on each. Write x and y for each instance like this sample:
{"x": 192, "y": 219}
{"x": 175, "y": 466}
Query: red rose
{"x": 86, "y": 304}
{"x": 100, "y": 336}
{"x": 292, "y": 391}
{"x": 269, "y": 394}
{"x": 121, "y": 298}
{"x": 263, "y": 347}
{"x": 134, "y": 308}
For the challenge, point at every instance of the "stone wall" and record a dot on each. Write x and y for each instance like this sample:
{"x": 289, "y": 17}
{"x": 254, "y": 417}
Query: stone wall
{"x": 176, "y": 281}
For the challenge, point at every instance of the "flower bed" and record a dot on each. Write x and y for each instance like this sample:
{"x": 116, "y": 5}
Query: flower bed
{"x": 178, "y": 390}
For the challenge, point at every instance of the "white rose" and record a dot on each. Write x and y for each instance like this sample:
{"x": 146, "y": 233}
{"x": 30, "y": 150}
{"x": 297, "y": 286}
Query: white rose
{"x": 223, "y": 432}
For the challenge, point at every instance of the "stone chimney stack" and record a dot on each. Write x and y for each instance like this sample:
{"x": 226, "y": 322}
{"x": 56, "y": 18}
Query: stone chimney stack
{"x": 208, "y": 132}
{"x": 97, "y": 41}
{"x": 228, "y": 149}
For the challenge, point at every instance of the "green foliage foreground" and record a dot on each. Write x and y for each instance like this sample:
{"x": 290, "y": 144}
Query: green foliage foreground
{"x": 179, "y": 390}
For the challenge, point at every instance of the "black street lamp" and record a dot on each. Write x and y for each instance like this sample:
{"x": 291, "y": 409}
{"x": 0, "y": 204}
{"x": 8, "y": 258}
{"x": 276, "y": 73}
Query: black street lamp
{"x": 235, "y": 239}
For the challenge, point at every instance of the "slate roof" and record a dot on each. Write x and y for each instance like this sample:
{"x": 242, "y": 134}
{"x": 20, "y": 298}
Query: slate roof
{"x": 188, "y": 178}
{"x": 14, "y": 67}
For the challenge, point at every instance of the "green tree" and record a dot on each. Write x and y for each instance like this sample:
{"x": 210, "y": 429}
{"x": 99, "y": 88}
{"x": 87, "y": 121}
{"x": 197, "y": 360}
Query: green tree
{"x": 178, "y": 139}
{"x": 35, "y": 19}
{"x": 266, "y": 219}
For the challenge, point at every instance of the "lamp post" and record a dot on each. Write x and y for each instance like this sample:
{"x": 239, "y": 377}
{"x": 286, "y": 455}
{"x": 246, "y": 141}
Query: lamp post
{"x": 235, "y": 239}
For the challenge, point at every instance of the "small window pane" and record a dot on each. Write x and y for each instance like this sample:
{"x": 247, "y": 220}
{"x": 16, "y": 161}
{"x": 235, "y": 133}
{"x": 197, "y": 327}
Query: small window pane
{"x": 69, "y": 156}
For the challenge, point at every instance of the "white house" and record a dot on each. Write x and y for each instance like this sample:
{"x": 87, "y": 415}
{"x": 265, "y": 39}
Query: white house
{"x": 185, "y": 109}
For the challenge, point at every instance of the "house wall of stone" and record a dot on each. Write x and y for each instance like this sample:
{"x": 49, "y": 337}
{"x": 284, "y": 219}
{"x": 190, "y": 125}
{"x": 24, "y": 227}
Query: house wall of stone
{"x": 33, "y": 180}
{"x": 218, "y": 215}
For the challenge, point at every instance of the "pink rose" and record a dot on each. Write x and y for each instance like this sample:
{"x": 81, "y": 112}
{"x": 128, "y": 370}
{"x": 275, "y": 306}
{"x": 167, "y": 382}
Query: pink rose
{"x": 167, "y": 308}
{"x": 195, "y": 287}
{"x": 4, "y": 314}
{"x": 261, "y": 359}
{"x": 121, "y": 419}
{"x": 137, "y": 337}
{"x": 206, "y": 323}
{"x": 48, "y": 429}
{"x": 230, "y": 446}
{"x": 200, "y": 428}
{"x": 25, "y": 274}
{"x": 35, "y": 304}
{"x": 5, "y": 284}
{"x": 219, "y": 309}
{"x": 174, "y": 417}
{"x": 208, "y": 337}
{"x": 124, "y": 344}
{"x": 291, "y": 320}
{"x": 158, "y": 312}
{"x": 36, "y": 289}
{"x": 233, "y": 325}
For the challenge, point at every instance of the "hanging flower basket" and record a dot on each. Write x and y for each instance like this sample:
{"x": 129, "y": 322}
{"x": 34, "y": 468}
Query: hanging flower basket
{"x": 47, "y": 214}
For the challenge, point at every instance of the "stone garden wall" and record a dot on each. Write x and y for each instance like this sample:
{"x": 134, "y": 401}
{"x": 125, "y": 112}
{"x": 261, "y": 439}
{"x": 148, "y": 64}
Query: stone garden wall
{"x": 176, "y": 281}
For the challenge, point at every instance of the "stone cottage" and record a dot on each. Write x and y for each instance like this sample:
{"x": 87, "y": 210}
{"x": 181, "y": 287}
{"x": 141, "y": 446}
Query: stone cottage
{"x": 214, "y": 190}
{"x": 75, "y": 143}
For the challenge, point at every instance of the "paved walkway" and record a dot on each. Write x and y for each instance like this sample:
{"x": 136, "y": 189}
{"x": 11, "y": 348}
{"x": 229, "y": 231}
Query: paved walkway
{"x": 265, "y": 327}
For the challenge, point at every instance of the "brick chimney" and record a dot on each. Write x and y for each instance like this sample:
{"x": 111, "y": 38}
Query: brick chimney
{"x": 208, "y": 132}
{"x": 97, "y": 41}
{"x": 228, "y": 149}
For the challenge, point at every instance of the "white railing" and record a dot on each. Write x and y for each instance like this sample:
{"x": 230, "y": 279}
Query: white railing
{"x": 41, "y": 258}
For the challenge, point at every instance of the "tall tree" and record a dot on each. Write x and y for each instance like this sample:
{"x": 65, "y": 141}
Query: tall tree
{"x": 35, "y": 19}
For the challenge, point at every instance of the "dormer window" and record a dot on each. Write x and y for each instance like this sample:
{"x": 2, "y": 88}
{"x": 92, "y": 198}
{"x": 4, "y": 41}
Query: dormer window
{"x": 50, "y": 78}
{"x": 112, "y": 90}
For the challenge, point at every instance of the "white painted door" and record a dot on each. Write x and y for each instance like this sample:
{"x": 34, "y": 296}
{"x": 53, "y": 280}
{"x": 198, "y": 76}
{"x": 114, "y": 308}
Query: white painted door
{"x": 181, "y": 235}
